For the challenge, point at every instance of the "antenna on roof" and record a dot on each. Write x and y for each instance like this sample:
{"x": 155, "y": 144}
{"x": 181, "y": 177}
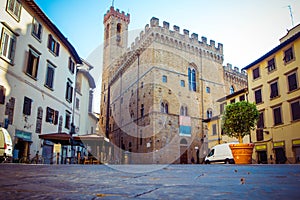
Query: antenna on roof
{"x": 112, "y": 3}
{"x": 291, "y": 13}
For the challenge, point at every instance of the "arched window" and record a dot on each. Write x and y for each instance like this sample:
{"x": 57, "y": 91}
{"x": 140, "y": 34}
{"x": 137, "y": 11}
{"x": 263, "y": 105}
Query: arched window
{"x": 107, "y": 33}
{"x": 231, "y": 89}
{"x": 209, "y": 113}
{"x": 183, "y": 141}
{"x": 183, "y": 110}
{"x": 192, "y": 79}
{"x": 164, "y": 108}
{"x": 119, "y": 31}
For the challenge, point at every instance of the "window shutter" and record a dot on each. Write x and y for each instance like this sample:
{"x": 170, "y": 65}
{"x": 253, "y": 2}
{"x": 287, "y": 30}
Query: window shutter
{"x": 2, "y": 94}
{"x": 49, "y": 41}
{"x": 27, "y": 106}
{"x": 48, "y": 114}
{"x": 56, "y": 117}
{"x": 57, "y": 49}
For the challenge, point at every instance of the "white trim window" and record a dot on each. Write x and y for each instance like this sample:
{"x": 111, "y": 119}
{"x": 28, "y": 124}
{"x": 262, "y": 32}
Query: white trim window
{"x": 69, "y": 91}
{"x": 32, "y": 63}
{"x": 8, "y": 45}
{"x": 37, "y": 29}
{"x": 14, "y": 7}
{"x": 49, "y": 83}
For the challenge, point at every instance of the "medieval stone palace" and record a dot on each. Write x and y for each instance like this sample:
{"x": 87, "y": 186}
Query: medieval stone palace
{"x": 157, "y": 92}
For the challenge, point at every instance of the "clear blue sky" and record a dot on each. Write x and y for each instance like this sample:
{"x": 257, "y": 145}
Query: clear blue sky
{"x": 247, "y": 29}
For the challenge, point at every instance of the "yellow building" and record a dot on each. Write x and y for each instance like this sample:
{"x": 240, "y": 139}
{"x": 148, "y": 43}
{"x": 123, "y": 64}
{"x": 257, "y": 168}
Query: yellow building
{"x": 213, "y": 126}
{"x": 273, "y": 82}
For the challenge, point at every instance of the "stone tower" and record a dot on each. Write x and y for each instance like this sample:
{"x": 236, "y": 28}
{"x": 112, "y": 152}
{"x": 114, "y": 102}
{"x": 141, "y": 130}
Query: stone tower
{"x": 115, "y": 44}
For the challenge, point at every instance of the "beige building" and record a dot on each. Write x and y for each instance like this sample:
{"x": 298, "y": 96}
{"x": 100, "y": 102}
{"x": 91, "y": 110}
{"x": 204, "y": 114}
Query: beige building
{"x": 37, "y": 80}
{"x": 156, "y": 93}
{"x": 274, "y": 86}
{"x": 213, "y": 127}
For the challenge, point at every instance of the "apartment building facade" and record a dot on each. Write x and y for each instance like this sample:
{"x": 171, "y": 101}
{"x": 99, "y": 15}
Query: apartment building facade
{"x": 273, "y": 82}
{"x": 213, "y": 127}
{"x": 38, "y": 70}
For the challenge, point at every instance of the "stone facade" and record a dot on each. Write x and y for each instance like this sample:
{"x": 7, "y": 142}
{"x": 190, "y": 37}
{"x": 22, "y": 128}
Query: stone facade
{"x": 159, "y": 90}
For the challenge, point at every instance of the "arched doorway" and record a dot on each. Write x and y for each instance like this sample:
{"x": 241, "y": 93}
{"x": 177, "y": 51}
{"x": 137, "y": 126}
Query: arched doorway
{"x": 183, "y": 151}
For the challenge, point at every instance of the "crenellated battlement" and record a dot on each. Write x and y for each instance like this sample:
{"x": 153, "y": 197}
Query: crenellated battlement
{"x": 163, "y": 34}
{"x": 116, "y": 13}
{"x": 185, "y": 37}
{"x": 234, "y": 70}
{"x": 235, "y": 75}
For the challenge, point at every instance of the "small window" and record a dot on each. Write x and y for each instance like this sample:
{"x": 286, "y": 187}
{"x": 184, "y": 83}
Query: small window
{"x": 14, "y": 7}
{"x": 288, "y": 55}
{"x": 295, "y": 109}
{"x": 232, "y": 101}
{"x": 27, "y": 106}
{"x": 271, "y": 65}
{"x": 50, "y": 76}
{"x": 222, "y": 107}
{"x": 231, "y": 89}
{"x": 277, "y": 115}
{"x": 71, "y": 65}
{"x": 68, "y": 120}
{"x": 242, "y": 97}
{"x": 33, "y": 63}
{"x": 52, "y": 116}
{"x": 209, "y": 113}
{"x": 256, "y": 73}
{"x": 259, "y": 134}
{"x": 69, "y": 91}
{"x": 292, "y": 81}
{"x": 207, "y": 89}
{"x": 260, "y": 121}
{"x": 214, "y": 129}
{"x": 53, "y": 45}
{"x": 183, "y": 111}
{"x": 182, "y": 83}
{"x": 164, "y": 79}
{"x": 142, "y": 84}
{"x": 274, "y": 90}
{"x": 164, "y": 108}
{"x": 258, "y": 96}
{"x": 37, "y": 29}
{"x": 8, "y": 45}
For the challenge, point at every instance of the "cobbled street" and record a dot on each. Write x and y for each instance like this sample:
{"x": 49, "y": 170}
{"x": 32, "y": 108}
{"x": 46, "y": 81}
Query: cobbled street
{"x": 19, "y": 181}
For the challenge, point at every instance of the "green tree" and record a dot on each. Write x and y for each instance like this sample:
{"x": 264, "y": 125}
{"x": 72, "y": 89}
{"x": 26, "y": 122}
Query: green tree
{"x": 239, "y": 119}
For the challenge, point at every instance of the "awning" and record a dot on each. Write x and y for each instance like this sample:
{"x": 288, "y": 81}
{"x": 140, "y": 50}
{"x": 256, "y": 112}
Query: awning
{"x": 59, "y": 138}
{"x": 65, "y": 138}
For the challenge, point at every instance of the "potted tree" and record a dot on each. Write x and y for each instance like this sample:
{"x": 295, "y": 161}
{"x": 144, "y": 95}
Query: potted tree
{"x": 238, "y": 120}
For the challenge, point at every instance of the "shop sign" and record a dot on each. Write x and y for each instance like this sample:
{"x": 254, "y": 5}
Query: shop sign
{"x": 57, "y": 148}
{"x": 260, "y": 147}
{"x": 296, "y": 142}
{"x": 278, "y": 144}
{"x": 24, "y": 135}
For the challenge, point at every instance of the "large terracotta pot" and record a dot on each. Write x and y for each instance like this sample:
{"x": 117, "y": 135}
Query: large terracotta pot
{"x": 242, "y": 153}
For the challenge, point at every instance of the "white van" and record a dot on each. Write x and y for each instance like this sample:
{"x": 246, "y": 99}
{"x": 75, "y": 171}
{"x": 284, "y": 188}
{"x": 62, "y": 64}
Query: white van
{"x": 220, "y": 153}
{"x": 5, "y": 145}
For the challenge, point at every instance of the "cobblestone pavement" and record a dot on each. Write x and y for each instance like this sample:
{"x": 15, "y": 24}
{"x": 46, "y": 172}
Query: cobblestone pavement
{"x": 19, "y": 181}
